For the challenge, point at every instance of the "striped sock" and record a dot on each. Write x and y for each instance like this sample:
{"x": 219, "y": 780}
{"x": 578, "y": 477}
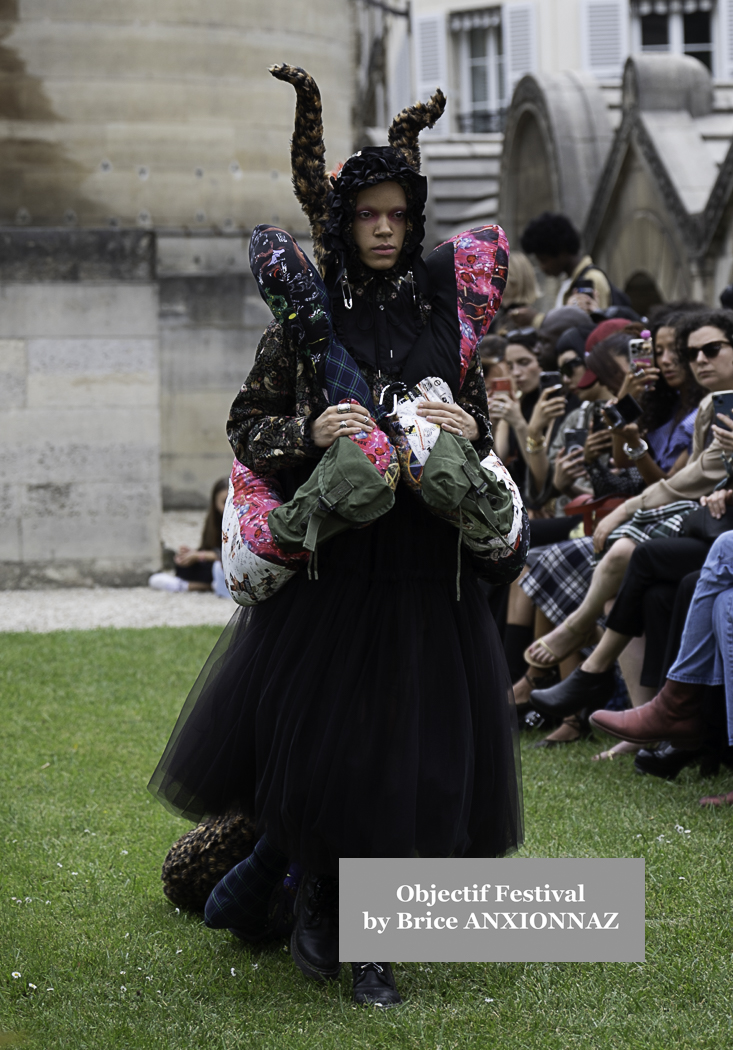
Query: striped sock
{"x": 242, "y": 897}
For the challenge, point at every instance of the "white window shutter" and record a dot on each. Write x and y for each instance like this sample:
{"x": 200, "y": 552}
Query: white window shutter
{"x": 725, "y": 48}
{"x": 431, "y": 67}
{"x": 520, "y": 41}
{"x": 605, "y": 31}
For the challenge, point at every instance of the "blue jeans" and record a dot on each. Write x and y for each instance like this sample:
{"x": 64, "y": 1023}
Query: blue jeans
{"x": 706, "y": 650}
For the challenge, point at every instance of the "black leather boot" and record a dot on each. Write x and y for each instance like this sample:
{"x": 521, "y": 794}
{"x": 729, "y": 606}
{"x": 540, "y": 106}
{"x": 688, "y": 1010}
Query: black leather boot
{"x": 374, "y": 985}
{"x": 665, "y": 760}
{"x": 580, "y": 689}
{"x": 314, "y": 944}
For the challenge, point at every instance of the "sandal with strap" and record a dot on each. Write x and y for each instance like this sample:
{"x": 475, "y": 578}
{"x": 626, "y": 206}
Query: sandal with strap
{"x": 583, "y": 639}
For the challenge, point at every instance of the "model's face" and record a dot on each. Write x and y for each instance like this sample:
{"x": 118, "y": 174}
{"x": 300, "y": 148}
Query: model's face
{"x": 666, "y": 358}
{"x": 220, "y": 500}
{"x": 380, "y": 224}
{"x": 524, "y": 367}
{"x": 718, "y": 373}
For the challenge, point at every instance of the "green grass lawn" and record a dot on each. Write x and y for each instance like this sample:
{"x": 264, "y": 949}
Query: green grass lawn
{"x": 83, "y": 719}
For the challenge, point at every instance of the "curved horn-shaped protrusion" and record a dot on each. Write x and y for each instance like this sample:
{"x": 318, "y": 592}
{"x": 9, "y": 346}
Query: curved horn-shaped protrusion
{"x": 407, "y": 125}
{"x": 307, "y": 149}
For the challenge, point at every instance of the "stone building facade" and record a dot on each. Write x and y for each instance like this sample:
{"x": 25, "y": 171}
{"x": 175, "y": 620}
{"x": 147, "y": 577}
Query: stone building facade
{"x": 139, "y": 145}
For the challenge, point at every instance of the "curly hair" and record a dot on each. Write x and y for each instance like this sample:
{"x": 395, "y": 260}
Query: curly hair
{"x": 550, "y": 234}
{"x": 663, "y": 403}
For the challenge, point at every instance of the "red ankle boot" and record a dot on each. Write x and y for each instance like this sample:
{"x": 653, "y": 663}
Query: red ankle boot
{"x": 673, "y": 714}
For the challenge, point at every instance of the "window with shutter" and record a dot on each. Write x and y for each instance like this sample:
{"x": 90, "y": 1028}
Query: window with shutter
{"x": 605, "y": 29}
{"x": 430, "y": 55}
{"x": 726, "y": 19}
{"x": 519, "y": 41}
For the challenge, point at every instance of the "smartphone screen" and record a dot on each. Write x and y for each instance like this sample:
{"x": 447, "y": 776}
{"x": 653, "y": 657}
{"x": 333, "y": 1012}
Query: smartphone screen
{"x": 640, "y": 353}
{"x": 551, "y": 379}
{"x": 629, "y": 408}
{"x": 575, "y": 439}
{"x": 584, "y": 287}
{"x": 503, "y": 383}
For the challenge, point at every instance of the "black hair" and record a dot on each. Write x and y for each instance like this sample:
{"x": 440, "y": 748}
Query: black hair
{"x": 550, "y": 234}
{"x": 663, "y": 402}
{"x": 690, "y": 322}
{"x": 211, "y": 535}
{"x": 602, "y": 360}
{"x": 522, "y": 337}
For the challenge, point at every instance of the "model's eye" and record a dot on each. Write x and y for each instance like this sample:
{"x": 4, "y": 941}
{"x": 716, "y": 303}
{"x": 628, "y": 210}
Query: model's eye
{"x": 399, "y": 215}
{"x": 365, "y": 214}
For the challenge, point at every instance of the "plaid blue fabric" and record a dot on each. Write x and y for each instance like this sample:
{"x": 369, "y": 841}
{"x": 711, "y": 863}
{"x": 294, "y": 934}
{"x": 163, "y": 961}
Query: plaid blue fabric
{"x": 241, "y": 899}
{"x": 559, "y": 576}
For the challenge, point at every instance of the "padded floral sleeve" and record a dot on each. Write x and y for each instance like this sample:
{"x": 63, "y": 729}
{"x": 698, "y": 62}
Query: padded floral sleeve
{"x": 473, "y": 399}
{"x": 269, "y": 421}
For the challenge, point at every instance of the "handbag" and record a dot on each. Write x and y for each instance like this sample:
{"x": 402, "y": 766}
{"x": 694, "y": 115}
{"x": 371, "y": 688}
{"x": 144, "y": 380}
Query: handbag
{"x": 592, "y": 510}
{"x": 701, "y": 525}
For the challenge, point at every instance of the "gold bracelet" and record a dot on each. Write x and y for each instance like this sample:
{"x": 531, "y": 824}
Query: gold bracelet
{"x": 532, "y": 445}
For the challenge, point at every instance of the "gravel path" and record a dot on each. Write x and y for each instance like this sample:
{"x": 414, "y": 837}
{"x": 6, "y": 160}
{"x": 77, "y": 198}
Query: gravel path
{"x": 80, "y": 609}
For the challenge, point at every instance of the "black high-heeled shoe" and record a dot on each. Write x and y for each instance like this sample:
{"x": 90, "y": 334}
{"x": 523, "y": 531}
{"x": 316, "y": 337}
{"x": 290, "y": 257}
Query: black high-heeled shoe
{"x": 580, "y": 689}
{"x": 665, "y": 760}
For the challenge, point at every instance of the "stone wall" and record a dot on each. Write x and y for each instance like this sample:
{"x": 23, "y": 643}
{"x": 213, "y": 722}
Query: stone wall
{"x": 211, "y": 319}
{"x": 79, "y": 408}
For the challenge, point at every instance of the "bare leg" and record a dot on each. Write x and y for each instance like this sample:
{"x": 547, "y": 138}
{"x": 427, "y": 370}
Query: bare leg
{"x": 193, "y": 586}
{"x": 574, "y": 632}
{"x": 630, "y": 654}
{"x": 520, "y": 609}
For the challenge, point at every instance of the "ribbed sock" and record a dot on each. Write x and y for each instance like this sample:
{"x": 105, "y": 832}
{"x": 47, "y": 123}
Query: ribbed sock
{"x": 516, "y": 639}
{"x": 242, "y": 897}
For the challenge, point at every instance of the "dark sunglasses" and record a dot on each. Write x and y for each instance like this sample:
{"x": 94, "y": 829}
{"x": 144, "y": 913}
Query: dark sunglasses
{"x": 710, "y": 350}
{"x": 568, "y": 367}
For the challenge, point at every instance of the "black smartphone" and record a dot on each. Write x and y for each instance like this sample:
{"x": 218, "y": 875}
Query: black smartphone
{"x": 550, "y": 379}
{"x": 723, "y": 404}
{"x": 625, "y": 411}
{"x": 584, "y": 287}
{"x": 575, "y": 439}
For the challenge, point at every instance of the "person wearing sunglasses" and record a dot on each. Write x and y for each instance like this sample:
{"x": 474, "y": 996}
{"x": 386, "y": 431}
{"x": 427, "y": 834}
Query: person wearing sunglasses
{"x": 705, "y": 339}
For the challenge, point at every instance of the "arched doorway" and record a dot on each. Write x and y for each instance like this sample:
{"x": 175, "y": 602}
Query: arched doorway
{"x": 643, "y": 292}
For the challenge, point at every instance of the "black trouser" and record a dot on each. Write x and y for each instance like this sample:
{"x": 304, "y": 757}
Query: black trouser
{"x": 646, "y": 599}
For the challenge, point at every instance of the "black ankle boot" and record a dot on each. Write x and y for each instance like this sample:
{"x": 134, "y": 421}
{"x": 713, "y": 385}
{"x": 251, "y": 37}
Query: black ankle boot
{"x": 314, "y": 944}
{"x": 374, "y": 984}
{"x": 580, "y": 689}
{"x": 664, "y": 761}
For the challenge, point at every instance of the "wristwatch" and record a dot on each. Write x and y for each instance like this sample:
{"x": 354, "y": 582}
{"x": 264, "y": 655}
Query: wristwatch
{"x": 636, "y": 453}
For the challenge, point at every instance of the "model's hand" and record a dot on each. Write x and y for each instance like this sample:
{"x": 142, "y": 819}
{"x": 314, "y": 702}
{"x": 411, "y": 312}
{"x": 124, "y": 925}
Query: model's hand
{"x": 605, "y": 527}
{"x": 569, "y": 466}
{"x": 338, "y": 422}
{"x": 503, "y": 406}
{"x": 451, "y": 418}
{"x": 716, "y": 502}
{"x": 724, "y": 434}
{"x": 548, "y": 407}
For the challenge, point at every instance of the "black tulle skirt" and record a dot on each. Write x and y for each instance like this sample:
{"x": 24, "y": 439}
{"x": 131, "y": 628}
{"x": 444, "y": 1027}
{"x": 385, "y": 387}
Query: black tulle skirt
{"x": 366, "y": 713}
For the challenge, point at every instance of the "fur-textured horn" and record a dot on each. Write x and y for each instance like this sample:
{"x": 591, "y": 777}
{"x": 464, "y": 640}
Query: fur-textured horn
{"x": 307, "y": 149}
{"x": 407, "y": 125}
